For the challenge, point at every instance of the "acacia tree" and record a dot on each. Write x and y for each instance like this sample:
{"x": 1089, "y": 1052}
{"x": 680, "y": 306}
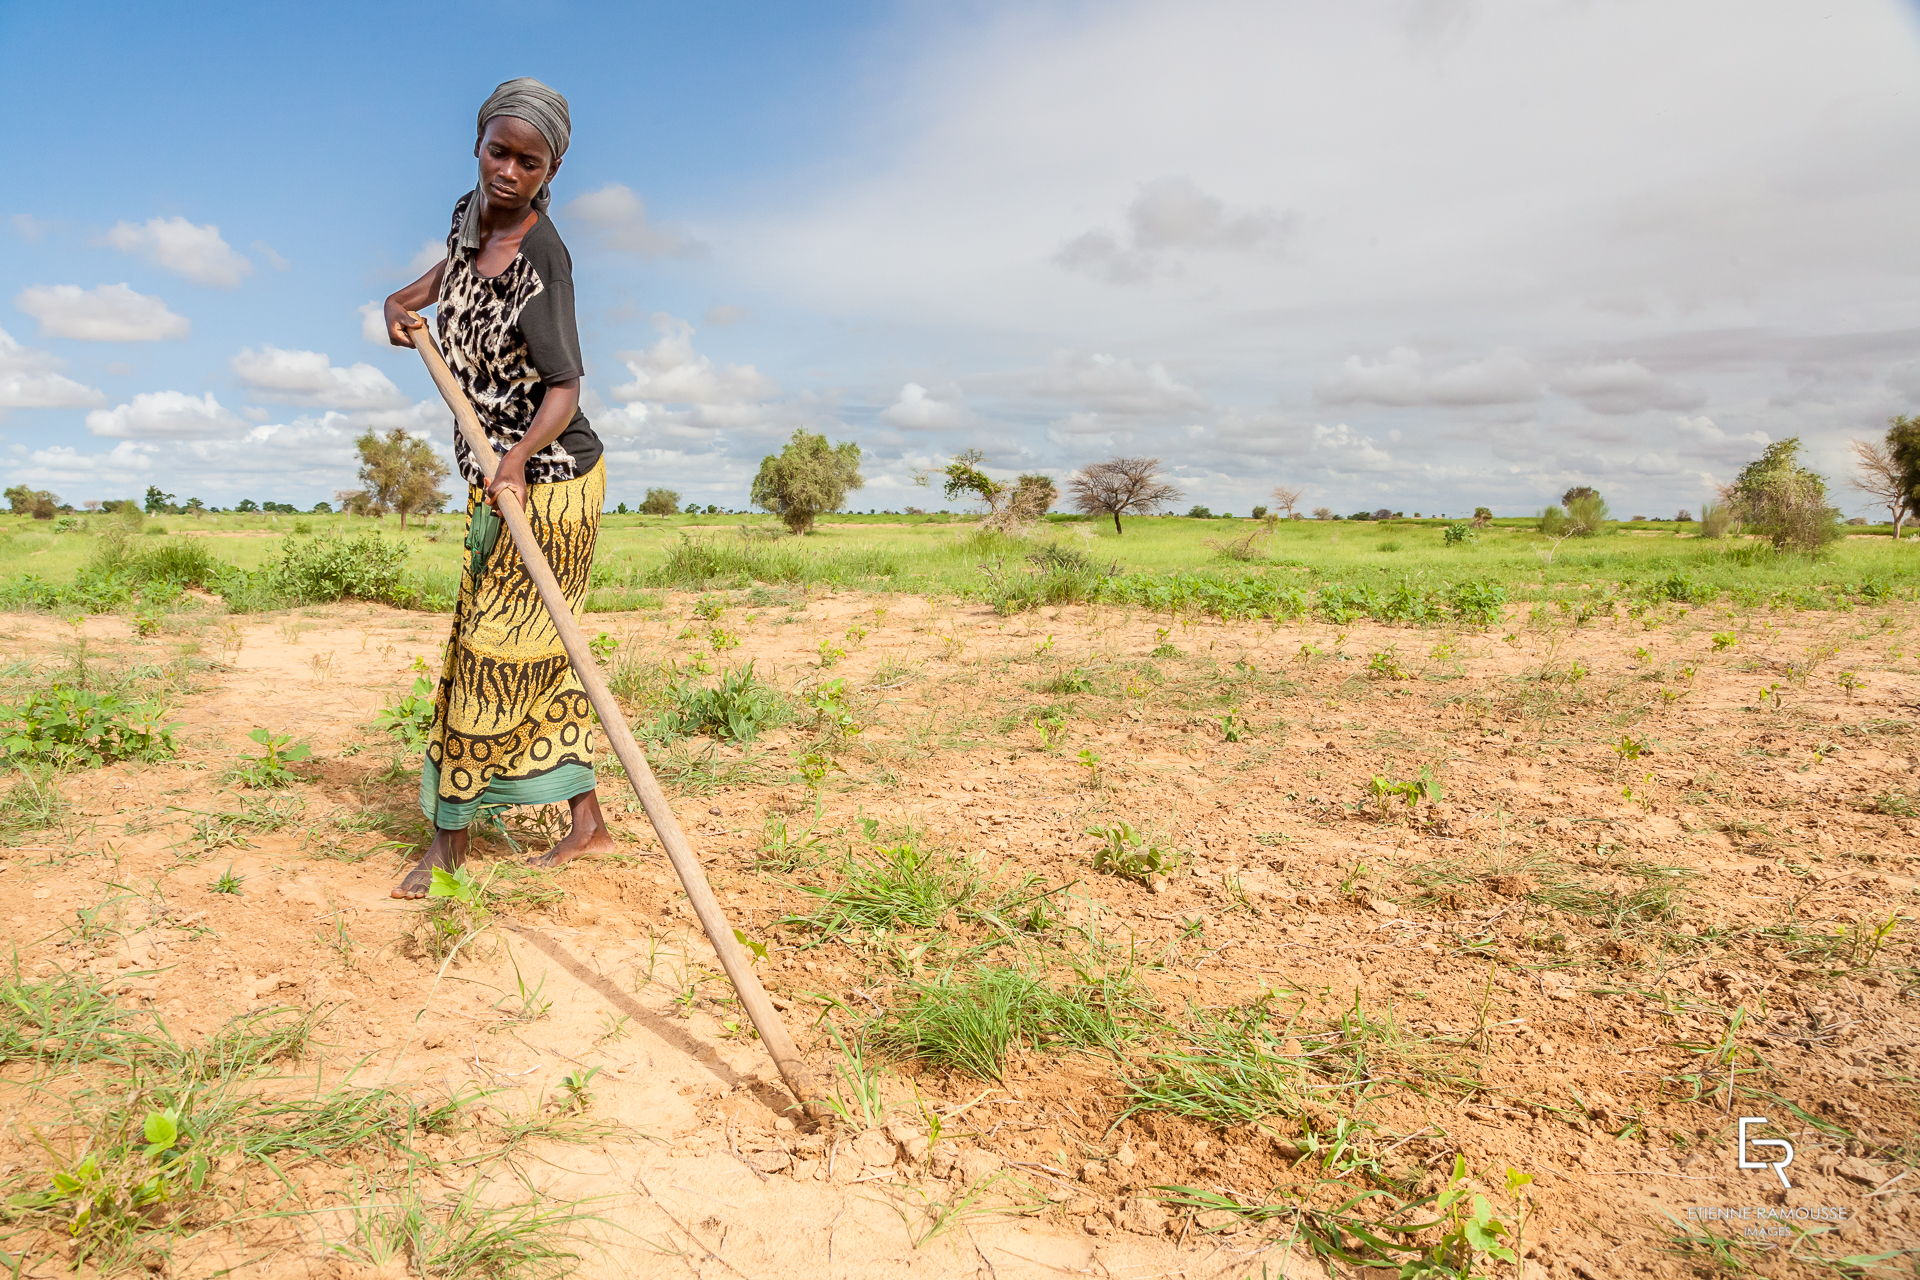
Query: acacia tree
{"x": 660, "y": 502}
{"x": 37, "y": 503}
{"x": 398, "y": 472}
{"x": 806, "y": 479}
{"x": 1903, "y": 450}
{"x": 1877, "y": 475}
{"x": 1009, "y": 506}
{"x": 1285, "y": 499}
{"x": 1121, "y": 486}
{"x": 1778, "y": 497}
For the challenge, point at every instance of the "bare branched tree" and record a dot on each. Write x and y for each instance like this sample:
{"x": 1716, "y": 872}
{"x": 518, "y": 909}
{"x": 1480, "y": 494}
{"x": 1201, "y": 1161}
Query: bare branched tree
{"x": 1121, "y": 486}
{"x": 1286, "y": 500}
{"x": 1878, "y": 475}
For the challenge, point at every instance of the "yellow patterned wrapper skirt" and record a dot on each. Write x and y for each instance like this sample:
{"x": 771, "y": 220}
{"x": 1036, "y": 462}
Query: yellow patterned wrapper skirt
{"x": 511, "y": 723}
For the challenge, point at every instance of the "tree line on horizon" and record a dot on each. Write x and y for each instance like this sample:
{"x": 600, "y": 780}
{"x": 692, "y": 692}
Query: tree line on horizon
{"x": 1776, "y": 495}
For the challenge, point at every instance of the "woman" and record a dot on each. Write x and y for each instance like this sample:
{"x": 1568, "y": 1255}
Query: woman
{"x": 511, "y": 723}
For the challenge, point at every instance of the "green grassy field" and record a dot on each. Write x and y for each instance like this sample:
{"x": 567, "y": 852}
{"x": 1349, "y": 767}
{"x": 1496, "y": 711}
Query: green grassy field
{"x": 1223, "y": 566}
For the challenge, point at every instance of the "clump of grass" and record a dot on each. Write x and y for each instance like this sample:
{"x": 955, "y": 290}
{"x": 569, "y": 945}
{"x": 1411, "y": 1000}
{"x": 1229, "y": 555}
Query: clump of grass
{"x": 1244, "y": 1064}
{"x": 971, "y": 1020}
{"x": 909, "y": 886}
{"x": 535, "y": 1239}
{"x": 33, "y": 802}
{"x": 736, "y": 709}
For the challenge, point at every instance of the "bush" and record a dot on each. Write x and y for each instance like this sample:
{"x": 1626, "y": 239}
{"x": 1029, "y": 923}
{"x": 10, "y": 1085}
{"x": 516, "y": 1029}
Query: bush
{"x": 322, "y": 570}
{"x": 659, "y": 502}
{"x": 69, "y": 727}
{"x": 1457, "y": 533}
{"x": 1716, "y": 520}
{"x": 1784, "y": 501}
{"x": 736, "y": 709}
{"x": 807, "y": 479}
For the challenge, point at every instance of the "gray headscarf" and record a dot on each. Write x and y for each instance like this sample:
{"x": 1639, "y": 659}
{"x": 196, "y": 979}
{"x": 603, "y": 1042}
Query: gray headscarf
{"x": 523, "y": 99}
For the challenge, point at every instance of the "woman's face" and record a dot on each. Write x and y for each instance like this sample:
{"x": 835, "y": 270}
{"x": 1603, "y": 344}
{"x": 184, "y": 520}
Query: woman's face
{"x": 514, "y": 161}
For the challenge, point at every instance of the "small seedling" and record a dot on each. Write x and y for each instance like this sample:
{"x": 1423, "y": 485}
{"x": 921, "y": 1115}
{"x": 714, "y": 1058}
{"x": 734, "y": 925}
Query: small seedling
{"x": 1090, "y": 761}
{"x": 719, "y": 639}
{"x": 755, "y": 948}
{"x": 1045, "y": 646}
{"x": 1410, "y": 791}
{"x": 1850, "y": 681}
{"x": 1051, "y": 729}
{"x": 602, "y": 647}
{"x": 228, "y": 882}
{"x": 1232, "y": 727}
{"x": 575, "y": 1082}
{"x": 411, "y": 718}
{"x": 709, "y": 608}
{"x": 1629, "y": 747}
{"x": 830, "y": 653}
{"x": 1129, "y": 854}
{"x": 270, "y": 767}
{"x": 1724, "y": 640}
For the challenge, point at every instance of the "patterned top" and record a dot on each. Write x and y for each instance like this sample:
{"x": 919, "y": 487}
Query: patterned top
{"x": 506, "y": 337}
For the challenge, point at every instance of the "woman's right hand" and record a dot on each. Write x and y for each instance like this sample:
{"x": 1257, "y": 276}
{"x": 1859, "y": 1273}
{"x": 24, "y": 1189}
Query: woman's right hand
{"x": 399, "y": 321}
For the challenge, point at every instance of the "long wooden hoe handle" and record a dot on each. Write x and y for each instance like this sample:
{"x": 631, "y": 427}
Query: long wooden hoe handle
{"x": 773, "y": 1033}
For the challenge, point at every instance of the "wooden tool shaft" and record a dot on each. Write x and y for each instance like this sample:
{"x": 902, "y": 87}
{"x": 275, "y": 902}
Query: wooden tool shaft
{"x": 753, "y": 996}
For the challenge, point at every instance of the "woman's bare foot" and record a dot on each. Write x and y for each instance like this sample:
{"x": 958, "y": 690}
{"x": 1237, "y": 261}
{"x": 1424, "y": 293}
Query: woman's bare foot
{"x": 448, "y": 851}
{"x": 589, "y": 834}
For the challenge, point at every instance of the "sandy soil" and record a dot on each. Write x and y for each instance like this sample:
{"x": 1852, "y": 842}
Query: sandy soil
{"x": 1489, "y": 925}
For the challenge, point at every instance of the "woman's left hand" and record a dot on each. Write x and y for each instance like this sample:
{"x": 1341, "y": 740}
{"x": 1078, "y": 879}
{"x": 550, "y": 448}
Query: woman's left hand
{"x": 512, "y": 478}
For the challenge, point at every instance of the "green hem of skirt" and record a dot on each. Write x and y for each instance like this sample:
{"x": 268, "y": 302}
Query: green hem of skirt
{"x": 561, "y": 783}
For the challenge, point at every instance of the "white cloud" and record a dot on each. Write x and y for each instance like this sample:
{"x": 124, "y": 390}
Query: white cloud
{"x": 270, "y": 255}
{"x": 105, "y": 313}
{"x": 165, "y": 415}
{"x": 1348, "y": 450}
{"x": 917, "y": 409}
{"x": 373, "y": 323}
{"x": 31, "y": 379}
{"x": 1169, "y": 215}
{"x": 308, "y": 377}
{"x": 618, "y": 219}
{"x": 727, "y": 313}
{"x": 196, "y": 252}
{"x": 672, "y": 372}
{"x": 1623, "y": 386}
{"x": 1701, "y": 429}
{"x": 427, "y": 256}
{"x": 1109, "y": 384}
{"x": 82, "y": 476}
{"x": 1403, "y": 377}
{"x": 29, "y": 228}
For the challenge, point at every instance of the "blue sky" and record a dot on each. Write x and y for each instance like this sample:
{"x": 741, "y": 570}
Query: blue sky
{"x": 1423, "y": 255}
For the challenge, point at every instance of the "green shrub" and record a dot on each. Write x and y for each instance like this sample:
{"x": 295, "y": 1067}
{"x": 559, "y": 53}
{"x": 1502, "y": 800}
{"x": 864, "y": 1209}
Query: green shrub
{"x": 364, "y": 566}
{"x": 737, "y": 709}
{"x": 69, "y": 727}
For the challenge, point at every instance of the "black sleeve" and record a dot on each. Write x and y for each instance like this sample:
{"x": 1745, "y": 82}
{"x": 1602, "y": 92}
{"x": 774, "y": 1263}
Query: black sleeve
{"x": 546, "y": 322}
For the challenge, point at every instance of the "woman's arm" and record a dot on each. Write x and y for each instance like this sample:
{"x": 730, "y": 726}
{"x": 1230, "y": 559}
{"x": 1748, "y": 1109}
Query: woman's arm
{"x": 420, "y": 293}
{"x": 549, "y": 420}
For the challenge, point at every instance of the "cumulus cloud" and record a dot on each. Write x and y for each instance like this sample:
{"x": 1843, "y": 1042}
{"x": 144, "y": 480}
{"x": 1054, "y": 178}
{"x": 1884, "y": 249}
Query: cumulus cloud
{"x": 105, "y": 313}
{"x": 917, "y": 409}
{"x": 309, "y": 377}
{"x": 194, "y": 251}
{"x": 1345, "y": 449}
{"x": 166, "y": 415}
{"x": 31, "y": 379}
{"x": 1623, "y": 386}
{"x": 124, "y": 467}
{"x": 1403, "y": 377}
{"x": 617, "y": 217}
{"x": 1170, "y": 215}
{"x": 373, "y": 323}
{"x": 1109, "y": 384}
{"x": 672, "y": 372}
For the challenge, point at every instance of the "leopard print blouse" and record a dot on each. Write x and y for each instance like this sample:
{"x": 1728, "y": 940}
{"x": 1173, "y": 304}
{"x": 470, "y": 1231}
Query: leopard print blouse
{"x": 506, "y": 337}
